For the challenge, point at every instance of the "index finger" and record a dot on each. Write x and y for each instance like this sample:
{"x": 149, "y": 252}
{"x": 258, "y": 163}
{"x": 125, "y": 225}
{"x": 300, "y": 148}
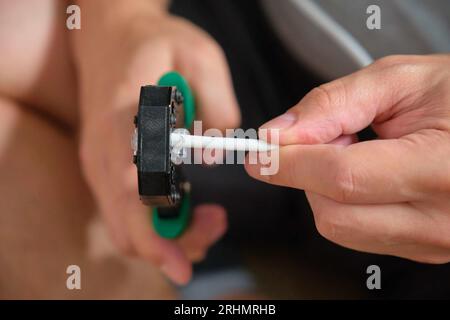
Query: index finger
{"x": 378, "y": 171}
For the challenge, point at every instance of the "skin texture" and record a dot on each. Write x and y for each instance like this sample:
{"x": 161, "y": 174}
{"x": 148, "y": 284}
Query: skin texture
{"x": 390, "y": 195}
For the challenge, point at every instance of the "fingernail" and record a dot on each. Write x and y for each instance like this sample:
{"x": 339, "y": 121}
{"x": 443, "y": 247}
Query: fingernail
{"x": 282, "y": 122}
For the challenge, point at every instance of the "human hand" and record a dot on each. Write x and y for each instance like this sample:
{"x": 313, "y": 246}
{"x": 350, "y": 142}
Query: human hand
{"x": 116, "y": 54}
{"x": 387, "y": 196}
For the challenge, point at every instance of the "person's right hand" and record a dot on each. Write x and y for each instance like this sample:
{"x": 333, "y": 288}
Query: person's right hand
{"x": 390, "y": 195}
{"x": 116, "y": 53}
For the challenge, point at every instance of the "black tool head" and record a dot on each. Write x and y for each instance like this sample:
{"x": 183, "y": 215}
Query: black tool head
{"x": 159, "y": 180}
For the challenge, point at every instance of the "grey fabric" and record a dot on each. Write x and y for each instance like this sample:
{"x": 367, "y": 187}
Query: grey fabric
{"x": 407, "y": 27}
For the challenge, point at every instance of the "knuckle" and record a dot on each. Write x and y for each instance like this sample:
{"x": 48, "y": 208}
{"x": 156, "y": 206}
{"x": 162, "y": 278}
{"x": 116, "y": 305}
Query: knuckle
{"x": 321, "y": 96}
{"x": 328, "y": 99}
{"x": 327, "y": 226}
{"x": 345, "y": 185}
{"x": 330, "y": 94}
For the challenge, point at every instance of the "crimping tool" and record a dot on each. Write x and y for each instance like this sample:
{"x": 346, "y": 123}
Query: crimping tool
{"x": 161, "y": 184}
{"x": 156, "y": 142}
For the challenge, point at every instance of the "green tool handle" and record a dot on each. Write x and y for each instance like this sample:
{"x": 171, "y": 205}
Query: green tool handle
{"x": 173, "y": 227}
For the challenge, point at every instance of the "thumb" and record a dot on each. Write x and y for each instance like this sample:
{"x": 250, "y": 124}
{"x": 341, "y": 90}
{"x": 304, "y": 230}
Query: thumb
{"x": 348, "y": 105}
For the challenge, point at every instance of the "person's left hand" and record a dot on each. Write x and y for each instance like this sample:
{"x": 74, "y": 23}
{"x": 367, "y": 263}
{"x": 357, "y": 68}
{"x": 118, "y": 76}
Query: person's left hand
{"x": 390, "y": 195}
{"x": 122, "y": 46}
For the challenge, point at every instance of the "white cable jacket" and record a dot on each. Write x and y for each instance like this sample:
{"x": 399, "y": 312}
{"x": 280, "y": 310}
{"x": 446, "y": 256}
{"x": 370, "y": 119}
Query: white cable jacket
{"x": 178, "y": 140}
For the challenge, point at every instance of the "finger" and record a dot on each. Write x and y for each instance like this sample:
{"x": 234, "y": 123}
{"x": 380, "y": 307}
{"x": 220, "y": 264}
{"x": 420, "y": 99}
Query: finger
{"x": 209, "y": 223}
{"x": 394, "y": 229}
{"x": 114, "y": 221}
{"x": 118, "y": 234}
{"x": 345, "y": 140}
{"x": 208, "y": 74}
{"x": 349, "y": 104}
{"x": 378, "y": 171}
{"x": 162, "y": 253}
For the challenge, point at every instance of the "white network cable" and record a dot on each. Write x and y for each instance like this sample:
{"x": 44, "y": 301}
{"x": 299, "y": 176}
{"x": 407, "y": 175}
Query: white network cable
{"x": 183, "y": 140}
